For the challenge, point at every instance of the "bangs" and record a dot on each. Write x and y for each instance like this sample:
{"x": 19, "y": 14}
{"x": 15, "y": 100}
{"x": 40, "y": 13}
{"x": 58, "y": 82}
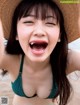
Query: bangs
{"x": 40, "y": 11}
{"x": 40, "y": 8}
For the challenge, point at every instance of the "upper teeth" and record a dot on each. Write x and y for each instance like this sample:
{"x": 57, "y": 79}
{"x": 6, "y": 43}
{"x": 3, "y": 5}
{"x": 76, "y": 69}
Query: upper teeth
{"x": 32, "y": 43}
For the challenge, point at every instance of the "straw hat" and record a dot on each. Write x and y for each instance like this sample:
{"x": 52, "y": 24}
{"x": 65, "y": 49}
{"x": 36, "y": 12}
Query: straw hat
{"x": 71, "y": 13}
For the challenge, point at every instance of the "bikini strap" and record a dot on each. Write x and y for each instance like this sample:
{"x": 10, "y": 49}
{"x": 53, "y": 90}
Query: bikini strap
{"x": 21, "y": 63}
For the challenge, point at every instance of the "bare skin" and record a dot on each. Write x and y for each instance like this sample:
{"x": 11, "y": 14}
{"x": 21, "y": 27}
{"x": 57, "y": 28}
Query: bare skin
{"x": 34, "y": 78}
{"x": 40, "y": 81}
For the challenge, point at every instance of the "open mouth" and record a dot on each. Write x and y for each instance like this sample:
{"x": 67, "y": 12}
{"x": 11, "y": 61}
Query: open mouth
{"x": 38, "y": 47}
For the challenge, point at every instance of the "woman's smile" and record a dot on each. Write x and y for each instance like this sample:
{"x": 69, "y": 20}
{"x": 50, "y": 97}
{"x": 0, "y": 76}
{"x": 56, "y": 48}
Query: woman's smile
{"x": 37, "y": 37}
{"x": 38, "y": 47}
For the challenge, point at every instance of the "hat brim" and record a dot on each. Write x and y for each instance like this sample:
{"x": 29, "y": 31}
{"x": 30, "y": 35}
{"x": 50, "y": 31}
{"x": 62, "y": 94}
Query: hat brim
{"x": 71, "y": 13}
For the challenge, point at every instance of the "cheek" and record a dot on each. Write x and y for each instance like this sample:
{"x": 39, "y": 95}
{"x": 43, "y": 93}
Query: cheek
{"x": 55, "y": 34}
{"x": 23, "y": 34}
{"x": 53, "y": 38}
{"x": 22, "y": 31}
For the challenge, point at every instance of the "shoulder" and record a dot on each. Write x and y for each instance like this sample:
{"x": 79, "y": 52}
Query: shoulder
{"x": 73, "y": 60}
{"x": 8, "y": 61}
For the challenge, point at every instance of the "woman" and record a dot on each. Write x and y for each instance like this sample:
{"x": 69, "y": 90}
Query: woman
{"x": 36, "y": 55}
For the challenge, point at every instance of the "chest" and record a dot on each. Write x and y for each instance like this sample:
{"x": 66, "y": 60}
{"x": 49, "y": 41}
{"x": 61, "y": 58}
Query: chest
{"x": 37, "y": 83}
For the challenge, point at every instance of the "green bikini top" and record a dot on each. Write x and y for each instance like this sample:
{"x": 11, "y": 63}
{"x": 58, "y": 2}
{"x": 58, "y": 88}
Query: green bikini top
{"x": 18, "y": 89}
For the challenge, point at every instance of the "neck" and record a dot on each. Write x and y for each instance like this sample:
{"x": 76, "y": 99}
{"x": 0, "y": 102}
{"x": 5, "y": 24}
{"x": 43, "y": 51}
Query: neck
{"x": 36, "y": 66}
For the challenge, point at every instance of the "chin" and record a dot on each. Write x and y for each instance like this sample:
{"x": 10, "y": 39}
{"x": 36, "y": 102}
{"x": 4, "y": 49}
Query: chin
{"x": 39, "y": 59}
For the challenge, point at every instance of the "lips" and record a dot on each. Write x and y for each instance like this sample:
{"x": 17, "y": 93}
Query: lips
{"x": 38, "y": 47}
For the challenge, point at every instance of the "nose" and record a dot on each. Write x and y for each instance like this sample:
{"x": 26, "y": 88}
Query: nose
{"x": 39, "y": 30}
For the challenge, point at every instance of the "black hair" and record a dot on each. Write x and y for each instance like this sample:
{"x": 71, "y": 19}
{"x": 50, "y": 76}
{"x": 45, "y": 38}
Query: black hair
{"x": 58, "y": 57}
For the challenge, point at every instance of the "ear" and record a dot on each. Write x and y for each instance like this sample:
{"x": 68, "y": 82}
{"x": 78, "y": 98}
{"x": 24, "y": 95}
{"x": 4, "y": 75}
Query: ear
{"x": 17, "y": 37}
{"x": 59, "y": 40}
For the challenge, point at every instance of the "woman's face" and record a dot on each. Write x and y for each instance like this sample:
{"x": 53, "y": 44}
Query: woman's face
{"x": 38, "y": 37}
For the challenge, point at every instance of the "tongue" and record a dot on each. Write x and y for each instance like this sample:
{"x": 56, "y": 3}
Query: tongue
{"x": 37, "y": 51}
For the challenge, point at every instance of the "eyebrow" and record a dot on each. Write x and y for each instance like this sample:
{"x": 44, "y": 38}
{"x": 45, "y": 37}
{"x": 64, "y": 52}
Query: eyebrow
{"x": 47, "y": 17}
{"x": 30, "y": 15}
{"x": 54, "y": 17}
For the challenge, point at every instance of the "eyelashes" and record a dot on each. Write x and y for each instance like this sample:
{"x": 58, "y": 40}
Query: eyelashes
{"x": 29, "y": 22}
{"x": 50, "y": 23}
{"x": 46, "y": 23}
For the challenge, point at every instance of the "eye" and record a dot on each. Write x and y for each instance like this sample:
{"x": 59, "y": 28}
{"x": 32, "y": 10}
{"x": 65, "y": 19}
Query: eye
{"x": 50, "y": 24}
{"x": 28, "y": 22}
